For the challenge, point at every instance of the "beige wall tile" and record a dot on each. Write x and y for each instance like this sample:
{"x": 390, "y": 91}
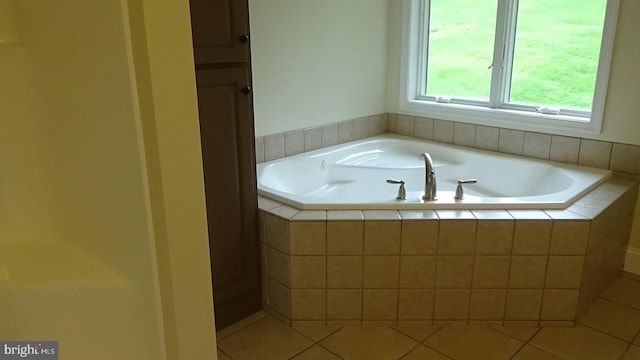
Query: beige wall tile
{"x": 564, "y": 272}
{"x": 454, "y": 271}
{"x": 491, "y": 271}
{"x": 531, "y": 237}
{"x": 487, "y": 138}
{"x": 277, "y": 233}
{"x": 381, "y": 272}
{"x": 345, "y": 131}
{"x": 360, "y": 128}
{"x": 345, "y": 237}
{"x": 494, "y": 237}
{"x": 419, "y": 237}
{"x": 405, "y": 125}
{"x": 625, "y": 157}
{"x": 308, "y": 304}
{"x": 293, "y": 142}
{"x": 559, "y": 304}
{"x": 424, "y": 128}
{"x": 456, "y": 237}
{"x": 278, "y": 266}
{"x": 312, "y": 138}
{"x": 417, "y": 271}
{"x": 527, "y": 271}
{"x": 569, "y": 237}
{"x": 487, "y": 304}
{"x": 511, "y": 141}
{"x": 377, "y": 124}
{"x": 279, "y": 298}
{"x": 443, "y": 131}
{"x": 392, "y": 122}
{"x": 263, "y": 259}
{"x": 344, "y": 304}
{"x": 594, "y": 153}
{"x": 344, "y": 272}
{"x": 380, "y": 304}
{"x": 308, "y": 237}
{"x": 308, "y": 272}
{"x": 259, "y": 145}
{"x": 452, "y": 304}
{"x": 537, "y": 145}
{"x": 464, "y": 134}
{"x": 415, "y": 304}
{"x": 273, "y": 146}
{"x": 382, "y": 237}
{"x": 564, "y": 149}
{"x": 523, "y": 304}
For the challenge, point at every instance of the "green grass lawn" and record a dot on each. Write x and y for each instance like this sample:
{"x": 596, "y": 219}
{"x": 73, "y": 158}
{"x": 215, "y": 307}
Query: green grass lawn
{"x": 556, "y": 52}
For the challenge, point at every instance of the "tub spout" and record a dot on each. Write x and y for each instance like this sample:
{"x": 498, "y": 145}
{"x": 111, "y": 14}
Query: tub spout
{"x": 430, "y": 179}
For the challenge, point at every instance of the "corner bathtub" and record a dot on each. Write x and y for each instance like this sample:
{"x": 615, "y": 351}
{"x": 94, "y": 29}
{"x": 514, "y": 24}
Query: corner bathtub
{"x": 353, "y": 176}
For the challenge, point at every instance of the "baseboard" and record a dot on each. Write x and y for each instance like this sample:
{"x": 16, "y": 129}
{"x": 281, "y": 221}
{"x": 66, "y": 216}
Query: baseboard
{"x": 632, "y": 261}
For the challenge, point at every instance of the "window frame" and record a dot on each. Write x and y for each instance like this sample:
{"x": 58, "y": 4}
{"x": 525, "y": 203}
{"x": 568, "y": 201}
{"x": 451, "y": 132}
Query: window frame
{"x": 496, "y": 112}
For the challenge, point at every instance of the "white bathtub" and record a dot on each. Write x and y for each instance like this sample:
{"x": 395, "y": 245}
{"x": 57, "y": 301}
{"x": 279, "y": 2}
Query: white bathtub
{"x": 353, "y": 176}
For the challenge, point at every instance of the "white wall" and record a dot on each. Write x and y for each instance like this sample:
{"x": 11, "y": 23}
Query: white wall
{"x": 316, "y": 62}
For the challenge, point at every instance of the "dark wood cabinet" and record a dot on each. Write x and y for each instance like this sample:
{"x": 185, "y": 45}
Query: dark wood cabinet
{"x": 223, "y": 78}
{"x": 220, "y": 31}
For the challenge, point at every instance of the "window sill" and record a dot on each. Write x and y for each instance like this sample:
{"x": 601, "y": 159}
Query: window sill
{"x": 504, "y": 118}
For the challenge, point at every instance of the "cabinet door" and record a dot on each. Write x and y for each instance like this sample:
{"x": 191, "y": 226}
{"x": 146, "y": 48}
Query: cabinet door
{"x": 220, "y": 31}
{"x": 226, "y": 126}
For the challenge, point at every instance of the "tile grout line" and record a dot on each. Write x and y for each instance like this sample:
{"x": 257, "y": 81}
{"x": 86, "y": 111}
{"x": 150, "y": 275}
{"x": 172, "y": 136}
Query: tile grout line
{"x": 329, "y": 350}
{"x": 399, "y": 270}
{"x": 544, "y": 283}
{"x": 435, "y": 273}
{"x": 508, "y": 288}
{"x": 606, "y": 333}
{"x": 473, "y": 270}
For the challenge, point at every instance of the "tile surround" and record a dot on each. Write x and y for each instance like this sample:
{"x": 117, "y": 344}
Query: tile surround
{"x": 565, "y": 149}
{"x": 441, "y": 266}
{"x": 576, "y": 235}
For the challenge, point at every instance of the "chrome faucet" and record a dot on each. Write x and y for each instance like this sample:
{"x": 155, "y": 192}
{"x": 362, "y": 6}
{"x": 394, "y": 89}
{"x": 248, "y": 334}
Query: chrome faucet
{"x": 429, "y": 179}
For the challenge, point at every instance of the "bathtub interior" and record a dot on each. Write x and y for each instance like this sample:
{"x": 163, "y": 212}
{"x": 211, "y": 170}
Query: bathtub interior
{"x": 354, "y": 176}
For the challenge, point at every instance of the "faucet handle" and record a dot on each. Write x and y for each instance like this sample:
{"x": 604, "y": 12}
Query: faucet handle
{"x": 402, "y": 193}
{"x": 459, "y": 191}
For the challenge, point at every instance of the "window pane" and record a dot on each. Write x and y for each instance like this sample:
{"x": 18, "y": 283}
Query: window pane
{"x": 461, "y": 36}
{"x": 556, "y": 52}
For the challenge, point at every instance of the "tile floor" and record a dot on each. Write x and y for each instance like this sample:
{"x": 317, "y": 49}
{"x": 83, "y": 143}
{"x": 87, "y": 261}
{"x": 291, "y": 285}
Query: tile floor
{"x": 609, "y": 330}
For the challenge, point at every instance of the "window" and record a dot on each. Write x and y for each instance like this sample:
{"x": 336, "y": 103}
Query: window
{"x": 532, "y": 64}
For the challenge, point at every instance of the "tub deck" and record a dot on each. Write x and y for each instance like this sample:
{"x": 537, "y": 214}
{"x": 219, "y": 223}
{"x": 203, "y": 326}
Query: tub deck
{"x": 353, "y": 176}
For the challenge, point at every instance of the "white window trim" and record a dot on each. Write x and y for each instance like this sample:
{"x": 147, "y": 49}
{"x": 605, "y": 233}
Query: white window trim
{"x": 411, "y": 72}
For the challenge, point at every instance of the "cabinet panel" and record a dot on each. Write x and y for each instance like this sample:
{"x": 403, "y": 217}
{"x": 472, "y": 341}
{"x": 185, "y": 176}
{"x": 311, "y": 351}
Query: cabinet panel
{"x": 226, "y": 126}
{"x": 218, "y": 28}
